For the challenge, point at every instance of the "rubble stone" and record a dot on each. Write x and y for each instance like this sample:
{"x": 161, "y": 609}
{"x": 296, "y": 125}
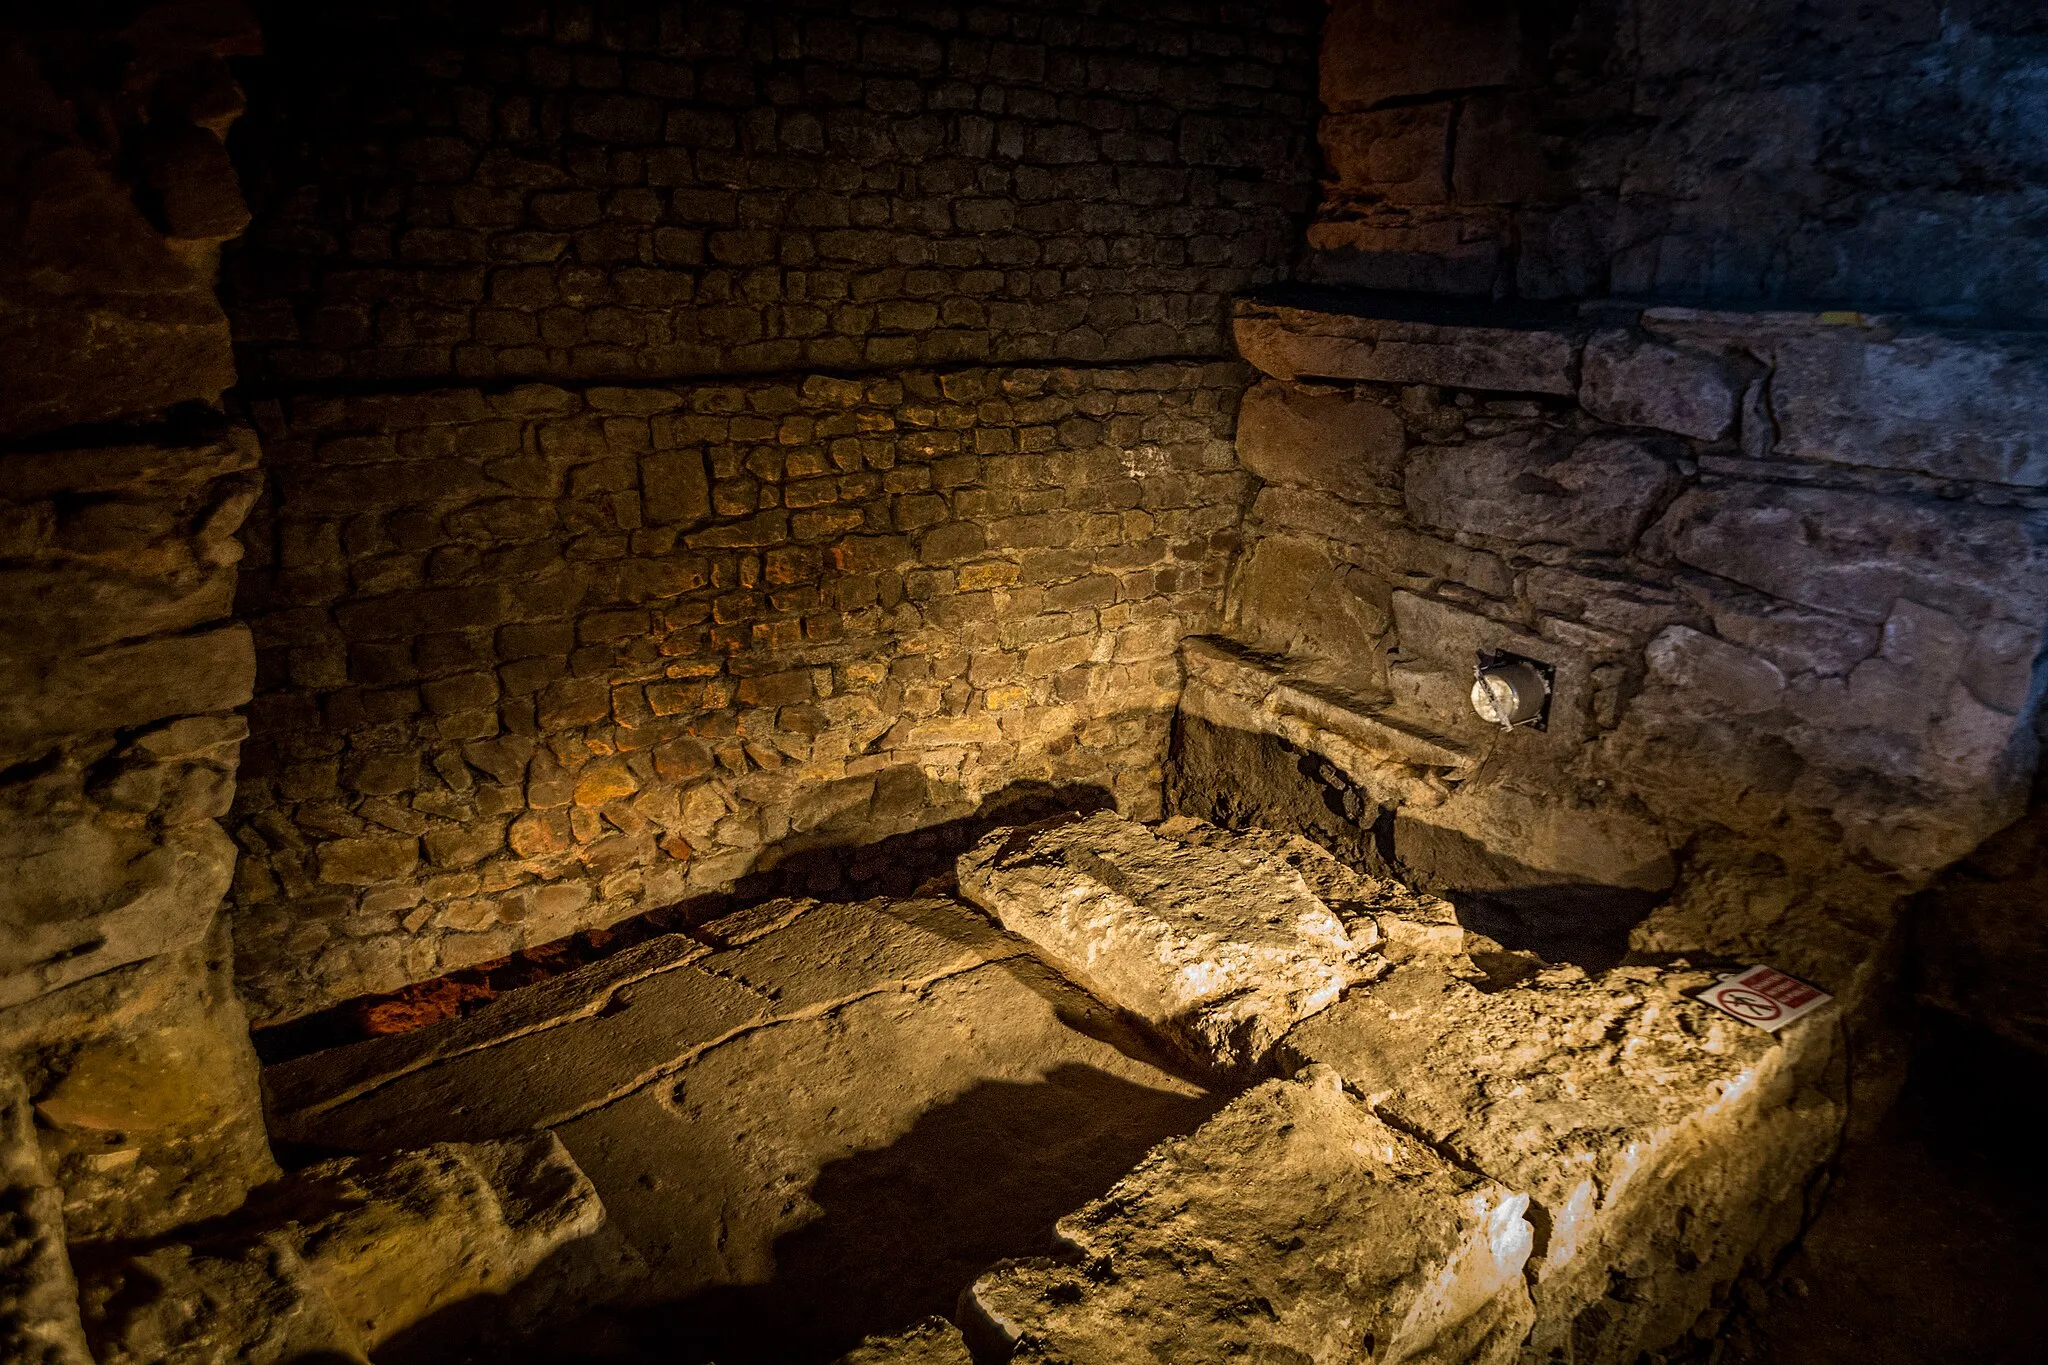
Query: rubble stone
{"x": 1223, "y": 949}
{"x": 1294, "y": 1225}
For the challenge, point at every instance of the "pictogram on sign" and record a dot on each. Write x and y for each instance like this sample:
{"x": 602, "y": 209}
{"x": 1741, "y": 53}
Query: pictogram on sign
{"x": 1764, "y": 996}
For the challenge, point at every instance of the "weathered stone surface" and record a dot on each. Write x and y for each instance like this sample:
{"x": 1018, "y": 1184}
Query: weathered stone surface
{"x": 1604, "y": 1101}
{"x": 1399, "y": 152}
{"x": 39, "y": 1322}
{"x": 1596, "y": 495}
{"x": 932, "y": 1342}
{"x": 124, "y": 686}
{"x": 1348, "y": 1235}
{"x": 1741, "y": 682}
{"x": 1323, "y": 438}
{"x": 149, "y": 1101}
{"x": 1288, "y": 597}
{"x": 393, "y": 1239}
{"x": 247, "y": 1303}
{"x": 1229, "y": 686}
{"x": 1858, "y": 553}
{"x": 1222, "y": 949}
{"x": 345, "y": 1255}
{"x": 1632, "y": 382}
{"x": 1295, "y": 343}
{"x": 1955, "y": 405}
{"x": 757, "y": 1107}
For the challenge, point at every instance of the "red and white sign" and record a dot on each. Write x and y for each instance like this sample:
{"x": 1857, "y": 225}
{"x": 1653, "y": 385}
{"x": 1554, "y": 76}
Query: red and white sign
{"x": 1764, "y": 996}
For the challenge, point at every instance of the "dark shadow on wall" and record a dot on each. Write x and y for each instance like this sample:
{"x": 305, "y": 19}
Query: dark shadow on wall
{"x": 827, "y": 864}
{"x": 904, "y": 1229}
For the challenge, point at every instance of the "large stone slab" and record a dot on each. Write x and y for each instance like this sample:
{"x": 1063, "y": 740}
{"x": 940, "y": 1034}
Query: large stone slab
{"x": 1326, "y": 438}
{"x": 1612, "y": 1103}
{"x": 732, "y": 1110}
{"x": 1596, "y": 495}
{"x": 1293, "y": 1226}
{"x": 1221, "y": 947}
{"x": 932, "y": 1342}
{"x": 1301, "y": 343}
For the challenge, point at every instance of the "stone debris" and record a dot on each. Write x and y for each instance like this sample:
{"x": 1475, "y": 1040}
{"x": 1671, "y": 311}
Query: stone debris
{"x": 1611, "y": 1102}
{"x": 931, "y": 1342}
{"x": 1292, "y": 1226}
{"x": 1219, "y": 945}
{"x": 38, "y": 1296}
{"x": 347, "y": 1254}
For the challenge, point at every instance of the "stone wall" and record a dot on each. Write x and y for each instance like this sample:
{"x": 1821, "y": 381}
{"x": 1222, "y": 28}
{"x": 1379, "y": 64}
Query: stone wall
{"x": 658, "y": 191}
{"x": 539, "y": 658}
{"x": 1886, "y": 156}
{"x": 757, "y": 537}
{"x": 1789, "y": 575}
{"x": 122, "y": 486}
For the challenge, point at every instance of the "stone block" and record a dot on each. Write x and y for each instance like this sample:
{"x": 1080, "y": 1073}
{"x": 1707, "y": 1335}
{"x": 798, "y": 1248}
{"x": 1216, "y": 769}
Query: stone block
{"x": 1394, "y": 155}
{"x": 1288, "y": 596}
{"x": 358, "y": 1248}
{"x": 674, "y": 487}
{"x": 1319, "y": 438}
{"x": 1956, "y": 406}
{"x": 1738, "y": 681}
{"x": 255, "y": 1302}
{"x": 39, "y": 1323}
{"x": 1634, "y": 382}
{"x": 1376, "y": 50}
{"x": 1348, "y": 1234}
{"x": 1221, "y": 949}
{"x": 150, "y": 1115}
{"x": 1297, "y": 343}
{"x": 46, "y": 696}
{"x": 1598, "y": 1100}
{"x": 1523, "y": 487}
{"x": 1856, "y": 553}
{"x": 92, "y": 892}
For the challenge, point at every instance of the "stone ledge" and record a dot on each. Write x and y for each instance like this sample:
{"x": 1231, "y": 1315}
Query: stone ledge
{"x": 1231, "y": 685}
{"x": 1304, "y": 343}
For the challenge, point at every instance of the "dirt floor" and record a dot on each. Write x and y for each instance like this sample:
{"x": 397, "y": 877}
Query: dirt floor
{"x": 1930, "y": 1249}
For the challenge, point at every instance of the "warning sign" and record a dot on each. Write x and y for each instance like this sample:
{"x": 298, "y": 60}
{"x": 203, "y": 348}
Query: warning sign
{"x": 1764, "y": 996}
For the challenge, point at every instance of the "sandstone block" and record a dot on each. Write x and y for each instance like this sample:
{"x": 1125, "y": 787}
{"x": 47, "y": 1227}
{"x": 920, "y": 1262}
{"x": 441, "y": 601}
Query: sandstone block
{"x": 1298, "y": 343}
{"x": 367, "y": 861}
{"x": 253, "y": 1303}
{"x": 1597, "y": 495}
{"x": 42, "y": 697}
{"x": 1733, "y": 677}
{"x": 1354, "y": 1240}
{"x": 1600, "y": 1100}
{"x": 1321, "y": 438}
{"x": 39, "y": 1323}
{"x": 1223, "y": 949}
{"x": 357, "y": 1248}
{"x": 1632, "y": 382}
{"x": 674, "y": 487}
{"x": 1397, "y": 155}
{"x": 150, "y": 1115}
{"x": 1954, "y": 406}
{"x": 1856, "y": 553}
